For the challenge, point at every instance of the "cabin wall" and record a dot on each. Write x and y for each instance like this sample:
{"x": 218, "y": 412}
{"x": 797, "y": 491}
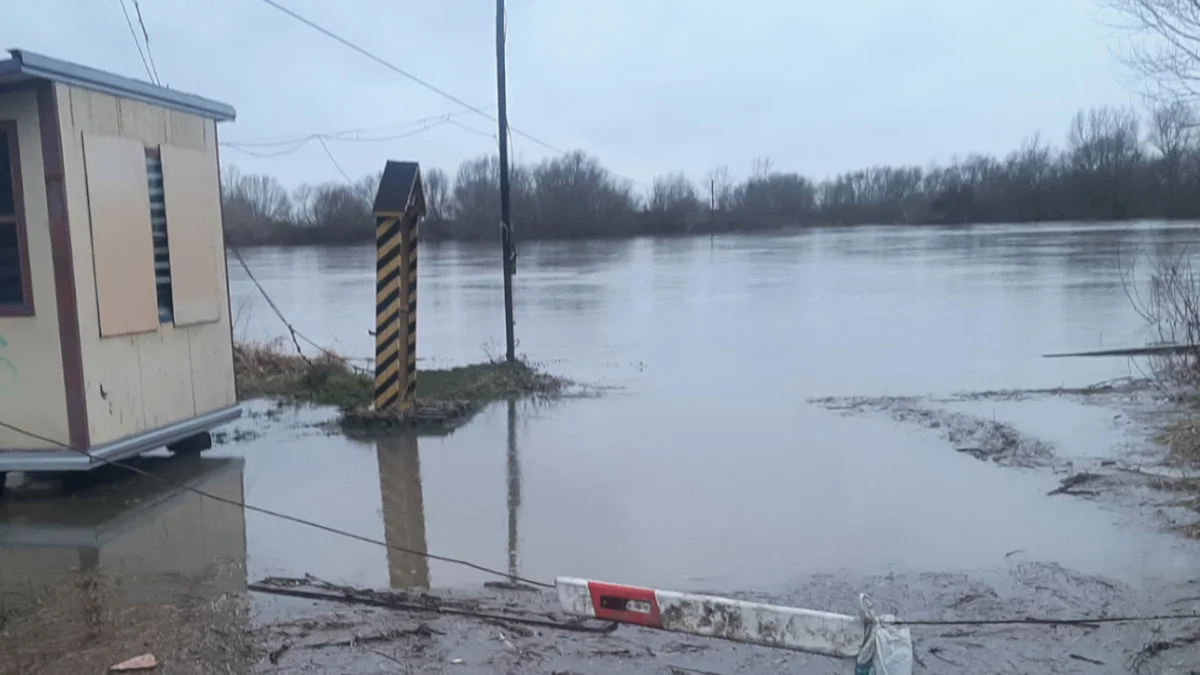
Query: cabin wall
{"x": 146, "y": 379}
{"x": 32, "y": 393}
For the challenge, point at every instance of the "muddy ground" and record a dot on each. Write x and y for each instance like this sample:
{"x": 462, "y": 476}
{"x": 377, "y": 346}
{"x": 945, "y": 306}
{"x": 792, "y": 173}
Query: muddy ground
{"x": 215, "y": 628}
{"x": 1138, "y": 479}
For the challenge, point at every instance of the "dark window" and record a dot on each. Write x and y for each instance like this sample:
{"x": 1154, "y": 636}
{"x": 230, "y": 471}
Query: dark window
{"x": 158, "y": 228}
{"x": 15, "y": 296}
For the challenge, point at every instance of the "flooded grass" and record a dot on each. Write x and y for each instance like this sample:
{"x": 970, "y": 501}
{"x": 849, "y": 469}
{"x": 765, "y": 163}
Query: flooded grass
{"x": 446, "y": 397}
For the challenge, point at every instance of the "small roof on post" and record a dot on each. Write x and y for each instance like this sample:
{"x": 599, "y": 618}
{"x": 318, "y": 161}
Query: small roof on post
{"x": 400, "y": 190}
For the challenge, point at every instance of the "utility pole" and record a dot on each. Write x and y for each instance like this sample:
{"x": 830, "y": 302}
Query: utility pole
{"x": 506, "y": 242}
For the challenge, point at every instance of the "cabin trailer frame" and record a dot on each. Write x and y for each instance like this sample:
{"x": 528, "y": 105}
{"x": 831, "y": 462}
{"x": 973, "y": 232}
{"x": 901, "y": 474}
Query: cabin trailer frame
{"x": 115, "y": 323}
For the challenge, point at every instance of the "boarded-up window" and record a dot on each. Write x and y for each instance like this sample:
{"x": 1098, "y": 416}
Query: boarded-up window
{"x": 16, "y": 297}
{"x": 158, "y": 226}
{"x": 193, "y": 200}
{"x": 122, "y": 245}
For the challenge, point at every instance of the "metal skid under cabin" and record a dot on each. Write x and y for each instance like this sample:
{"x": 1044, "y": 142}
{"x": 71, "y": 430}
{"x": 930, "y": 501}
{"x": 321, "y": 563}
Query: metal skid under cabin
{"x": 115, "y": 331}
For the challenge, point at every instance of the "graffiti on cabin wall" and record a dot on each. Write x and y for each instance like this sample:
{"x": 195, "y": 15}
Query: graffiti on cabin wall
{"x": 8, "y": 370}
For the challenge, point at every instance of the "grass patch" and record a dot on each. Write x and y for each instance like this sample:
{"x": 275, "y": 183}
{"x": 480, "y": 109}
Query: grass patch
{"x": 1183, "y": 442}
{"x": 446, "y": 397}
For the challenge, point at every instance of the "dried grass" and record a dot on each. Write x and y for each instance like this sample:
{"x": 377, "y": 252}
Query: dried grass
{"x": 446, "y": 398}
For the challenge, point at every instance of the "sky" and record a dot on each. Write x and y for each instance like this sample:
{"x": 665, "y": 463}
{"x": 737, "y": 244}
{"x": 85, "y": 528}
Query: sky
{"x": 647, "y": 86}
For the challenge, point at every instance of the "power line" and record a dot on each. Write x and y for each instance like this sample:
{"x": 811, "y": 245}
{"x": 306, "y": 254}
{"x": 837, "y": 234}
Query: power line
{"x": 397, "y": 69}
{"x": 297, "y": 145}
{"x": 342, "y": 135}
{"x": 137, "y": 7}
{"x": 477, "y": 132}
{"x": 1039, "y": 621}
{"x": 136, "y": 42}
{"x": 270, "y": 512}
{"x": 296, "y": 334}
{"x": 334, "y": 160}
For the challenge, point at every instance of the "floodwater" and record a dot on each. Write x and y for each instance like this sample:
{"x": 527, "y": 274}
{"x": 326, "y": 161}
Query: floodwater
{"x": 702, "y": 465}
{"x": 705, "y": 467}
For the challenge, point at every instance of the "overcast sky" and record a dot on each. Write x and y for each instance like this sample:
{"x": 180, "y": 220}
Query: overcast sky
{"x": 648, "y": 86}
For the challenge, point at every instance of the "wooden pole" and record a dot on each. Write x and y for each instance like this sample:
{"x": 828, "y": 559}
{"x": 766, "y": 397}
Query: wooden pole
{"x": 506, "y": 239}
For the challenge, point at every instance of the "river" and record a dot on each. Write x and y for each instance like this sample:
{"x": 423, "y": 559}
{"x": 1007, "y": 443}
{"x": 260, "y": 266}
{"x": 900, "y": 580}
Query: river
{"x": 698, "y": 461}
{"x": 704, "y": 466}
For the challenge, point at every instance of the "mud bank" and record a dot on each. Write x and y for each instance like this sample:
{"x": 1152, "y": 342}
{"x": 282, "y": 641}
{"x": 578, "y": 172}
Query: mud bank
{"x": 324, "y": 637}
{"x": 1114, "y": 452}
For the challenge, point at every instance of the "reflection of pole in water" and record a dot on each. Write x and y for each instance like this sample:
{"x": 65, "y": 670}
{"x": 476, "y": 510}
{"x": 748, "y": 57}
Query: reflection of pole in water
{"x": 403, "y": 510}
{"x": 514, "y": 487}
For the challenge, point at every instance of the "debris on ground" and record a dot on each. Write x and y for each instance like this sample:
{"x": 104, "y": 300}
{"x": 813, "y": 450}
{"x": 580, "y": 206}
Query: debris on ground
{"x": 983, "y": 439}
{"x": 1071, "y": 484}
{"x": 143, "y": 662}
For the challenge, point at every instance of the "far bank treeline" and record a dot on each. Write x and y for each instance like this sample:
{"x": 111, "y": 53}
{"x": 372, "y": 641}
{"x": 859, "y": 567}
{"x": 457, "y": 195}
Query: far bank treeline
{"x": 1114, "y": 165}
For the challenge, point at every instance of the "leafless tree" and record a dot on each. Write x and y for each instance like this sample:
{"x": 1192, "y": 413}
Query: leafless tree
{"x": 344, "y": 210}
{"x": 673, "y": 194}
{"x": 1163, "y": 44}
{"x": 437, "y": 196}
{"x": 1030, "y": 170}
{"x": 1104, "y": 148}
{"x": 761, "y": 167}
{"x": 720, "y": 188}
{"x": 574, "y": 194}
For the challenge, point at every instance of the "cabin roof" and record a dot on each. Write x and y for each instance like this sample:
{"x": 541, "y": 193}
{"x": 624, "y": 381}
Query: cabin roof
{"x": 25, "y": 66}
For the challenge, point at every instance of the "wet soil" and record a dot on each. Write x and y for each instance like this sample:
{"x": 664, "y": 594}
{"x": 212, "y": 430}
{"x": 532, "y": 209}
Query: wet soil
{"x": 203, "y": 624}
{"x": 320, "y": 638}
{"x": 1135, "y": 480}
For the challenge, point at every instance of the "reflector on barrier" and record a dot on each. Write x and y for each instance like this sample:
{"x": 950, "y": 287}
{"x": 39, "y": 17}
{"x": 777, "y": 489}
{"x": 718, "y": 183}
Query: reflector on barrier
{"x": 805, "y": 630}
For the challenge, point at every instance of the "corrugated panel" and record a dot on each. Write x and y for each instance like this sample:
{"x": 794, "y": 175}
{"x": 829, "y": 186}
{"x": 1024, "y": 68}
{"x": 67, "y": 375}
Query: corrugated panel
{"x": 162, "y": 249}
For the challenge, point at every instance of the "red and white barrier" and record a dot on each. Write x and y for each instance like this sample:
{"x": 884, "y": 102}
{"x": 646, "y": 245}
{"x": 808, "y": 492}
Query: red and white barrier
{"x": 805, "y": 630}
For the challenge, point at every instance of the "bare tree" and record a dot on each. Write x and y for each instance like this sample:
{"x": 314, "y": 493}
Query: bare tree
{"x": 1164, "y": 44}
{"x": 1173, "y": 136}
{"x": 1104, "y": 148}
{"x": 720, "y": 188}
{"x": 437, "y": 196}
{"x": 673, "y": 204}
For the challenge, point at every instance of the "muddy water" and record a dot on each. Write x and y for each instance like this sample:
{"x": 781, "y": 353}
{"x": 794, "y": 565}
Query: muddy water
{"x": 704, "y": 467}
{"x": 707, "y": 468}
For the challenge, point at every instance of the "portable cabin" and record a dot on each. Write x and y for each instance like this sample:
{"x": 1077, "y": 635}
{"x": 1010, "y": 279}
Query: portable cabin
{"x": 115, "y": 332}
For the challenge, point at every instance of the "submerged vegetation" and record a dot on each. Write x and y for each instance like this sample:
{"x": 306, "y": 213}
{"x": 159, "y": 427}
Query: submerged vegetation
{"x": 446, "y": 397}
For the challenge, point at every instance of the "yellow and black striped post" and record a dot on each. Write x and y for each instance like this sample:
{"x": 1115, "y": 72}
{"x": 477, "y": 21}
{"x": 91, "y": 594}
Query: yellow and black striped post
{"x": 388, "y": 274}
{"x": 399, "y": 206}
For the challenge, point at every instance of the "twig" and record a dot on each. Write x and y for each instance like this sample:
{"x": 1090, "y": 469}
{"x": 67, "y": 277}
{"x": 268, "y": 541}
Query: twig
{"x": 347, "y": 597}
{"x": 1080, "y": 657}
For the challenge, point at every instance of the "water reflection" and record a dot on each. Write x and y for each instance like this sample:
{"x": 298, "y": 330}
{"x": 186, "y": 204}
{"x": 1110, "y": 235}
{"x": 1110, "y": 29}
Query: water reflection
{"x": 403, "y": 511}
{"x": 514, "y": 489}
{"x": 402, "y": 494}
{"x": 130, "y": 557}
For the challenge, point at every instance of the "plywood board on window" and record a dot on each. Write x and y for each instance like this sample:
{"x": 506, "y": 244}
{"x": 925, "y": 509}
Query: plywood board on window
{"x": 122, "y": 245}
{"x": 193, "y": 195}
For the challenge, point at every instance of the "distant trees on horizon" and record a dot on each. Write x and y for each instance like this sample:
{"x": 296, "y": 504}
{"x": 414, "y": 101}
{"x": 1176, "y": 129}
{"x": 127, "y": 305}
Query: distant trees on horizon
{"x": 1114, "y": 165}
